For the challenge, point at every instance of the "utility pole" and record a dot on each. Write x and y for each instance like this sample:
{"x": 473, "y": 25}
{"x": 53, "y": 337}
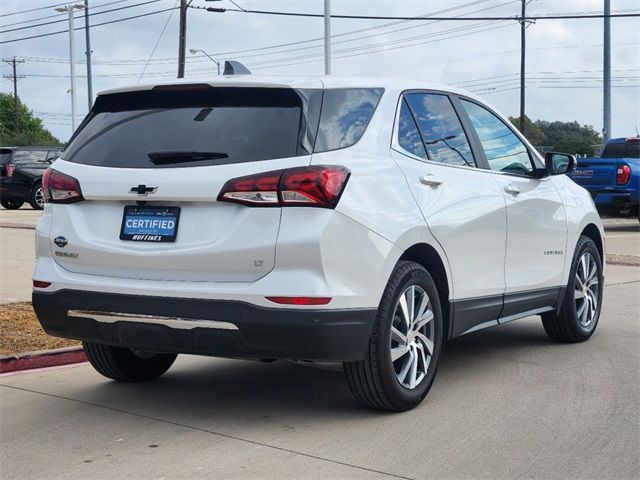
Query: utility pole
{"x": 70, "y": 9}
{"x": 524, "y": 23}
{"x": 87, "y": 37}
{"x": 523, "y": 49}
{"x": 15, "y": 77}
{"x": 606, "y": 81}
{"x": 327, "y": 37}
{"x": 182, "y": 39}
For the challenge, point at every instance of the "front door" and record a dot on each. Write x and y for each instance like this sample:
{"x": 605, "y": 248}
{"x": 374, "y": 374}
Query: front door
{"x": 536, "y": 223}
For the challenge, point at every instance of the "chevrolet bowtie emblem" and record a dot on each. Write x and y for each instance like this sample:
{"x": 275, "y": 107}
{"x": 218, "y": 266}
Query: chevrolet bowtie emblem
{"x": 143, "y": 190}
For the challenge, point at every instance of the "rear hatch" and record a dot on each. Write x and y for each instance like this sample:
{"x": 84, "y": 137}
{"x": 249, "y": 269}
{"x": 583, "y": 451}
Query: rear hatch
{"x": 164, "y": 155}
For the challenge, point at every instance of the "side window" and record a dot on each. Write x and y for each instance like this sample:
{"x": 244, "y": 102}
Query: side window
{"x": 505, "y": 152}
{"x": 442, "y": 132}
{"x": 408, "y": 134}
{"x": 344, "y": 117}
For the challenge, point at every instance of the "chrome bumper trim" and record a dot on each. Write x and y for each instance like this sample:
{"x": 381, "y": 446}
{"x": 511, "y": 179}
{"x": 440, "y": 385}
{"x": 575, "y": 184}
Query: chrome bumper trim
{"x": 172, "y": 322}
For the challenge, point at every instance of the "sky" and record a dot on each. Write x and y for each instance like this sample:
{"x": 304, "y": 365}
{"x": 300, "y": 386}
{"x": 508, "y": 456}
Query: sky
{"x": 564, "y": 57}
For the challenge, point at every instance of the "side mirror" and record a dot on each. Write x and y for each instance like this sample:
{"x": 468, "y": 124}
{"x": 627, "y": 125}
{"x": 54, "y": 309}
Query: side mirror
{"x": 559, "y": 163}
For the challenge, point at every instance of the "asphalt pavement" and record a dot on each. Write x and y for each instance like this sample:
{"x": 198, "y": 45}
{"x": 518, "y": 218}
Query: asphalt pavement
{"x": 507, "y": 403}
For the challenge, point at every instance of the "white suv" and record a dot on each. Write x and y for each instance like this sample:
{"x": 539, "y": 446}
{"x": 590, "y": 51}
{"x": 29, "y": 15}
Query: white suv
{"x": 330, "y": 219}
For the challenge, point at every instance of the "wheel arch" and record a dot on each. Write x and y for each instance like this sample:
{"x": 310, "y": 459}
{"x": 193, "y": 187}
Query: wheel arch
{"x": 427, "y": 256}
{"x": 592, "y": 231}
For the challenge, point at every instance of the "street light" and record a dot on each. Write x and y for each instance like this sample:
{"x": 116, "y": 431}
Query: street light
{"x": 193, "y": 51}
{"x": 72, "y": 63}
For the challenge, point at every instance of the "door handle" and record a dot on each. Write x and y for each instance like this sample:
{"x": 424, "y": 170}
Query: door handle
{"x": 512, "y": 189}
{"x": 431, "y": 180}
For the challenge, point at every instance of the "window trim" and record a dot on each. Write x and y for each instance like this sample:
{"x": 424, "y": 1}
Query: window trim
{"x": 395, "y": 144}
{"x": 532, "y": 157}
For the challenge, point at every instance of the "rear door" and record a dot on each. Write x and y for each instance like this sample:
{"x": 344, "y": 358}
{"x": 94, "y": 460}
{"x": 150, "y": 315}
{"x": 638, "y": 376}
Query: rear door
{"x": 536, "y": 222}
{"x": 463, "y": 207}
{"x": 168, "y": 153}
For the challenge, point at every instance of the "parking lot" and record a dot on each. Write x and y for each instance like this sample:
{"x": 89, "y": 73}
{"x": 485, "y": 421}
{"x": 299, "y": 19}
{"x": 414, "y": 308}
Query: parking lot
{"x": 507, "y": 403}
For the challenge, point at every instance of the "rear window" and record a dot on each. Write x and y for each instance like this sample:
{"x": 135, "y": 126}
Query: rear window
{"x": 622, "y": 150}
{"x": 29, "y": 156}
{"x": 201, "y": 126}
{"x": 187, "y": 125}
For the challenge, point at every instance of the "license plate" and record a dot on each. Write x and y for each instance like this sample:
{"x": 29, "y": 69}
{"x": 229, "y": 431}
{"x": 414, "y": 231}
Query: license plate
{"x": 150, "y": 224}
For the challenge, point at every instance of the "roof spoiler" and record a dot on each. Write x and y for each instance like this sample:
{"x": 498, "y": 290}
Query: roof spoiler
{"x": 231, "y": 67}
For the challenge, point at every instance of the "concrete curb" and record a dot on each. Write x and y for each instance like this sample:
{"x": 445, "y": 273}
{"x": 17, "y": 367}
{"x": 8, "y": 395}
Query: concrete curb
{"x": 41, "y": 359}
{"x": 17, "y": 225}
{"x": 617, "y": 259}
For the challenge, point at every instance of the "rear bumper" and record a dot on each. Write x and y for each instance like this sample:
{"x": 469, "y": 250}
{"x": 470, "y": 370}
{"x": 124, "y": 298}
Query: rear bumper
{"x": 10, "y": 188}
{"x": 179, "y": 325}
{"x": 615, "y": 199}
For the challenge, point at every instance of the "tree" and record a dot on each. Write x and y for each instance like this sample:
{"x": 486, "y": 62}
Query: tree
{"x": 533, "y": 133}
{"x": 570, "y": 137}
{"x": 32, "y": 131}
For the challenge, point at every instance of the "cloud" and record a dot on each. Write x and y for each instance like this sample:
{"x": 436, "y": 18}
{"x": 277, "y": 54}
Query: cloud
{"x": 479, "y": 56}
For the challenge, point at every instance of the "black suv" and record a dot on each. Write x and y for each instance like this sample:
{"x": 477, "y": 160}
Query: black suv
{"x": 21, "y": 170}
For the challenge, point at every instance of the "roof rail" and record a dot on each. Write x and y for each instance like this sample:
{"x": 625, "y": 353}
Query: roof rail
{"x": 232, "y": 67}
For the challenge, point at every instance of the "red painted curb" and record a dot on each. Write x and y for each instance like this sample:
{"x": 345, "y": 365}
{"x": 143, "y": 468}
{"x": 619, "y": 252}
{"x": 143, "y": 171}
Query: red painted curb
{"x": 43, "y": 359}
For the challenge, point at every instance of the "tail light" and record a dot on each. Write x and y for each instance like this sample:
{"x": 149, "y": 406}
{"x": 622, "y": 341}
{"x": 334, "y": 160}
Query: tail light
{"x": 60, "y": 188}
{"x": 315, "y": 186}
{"x": 9, "y": 169}
{"x": 623, "y": 173}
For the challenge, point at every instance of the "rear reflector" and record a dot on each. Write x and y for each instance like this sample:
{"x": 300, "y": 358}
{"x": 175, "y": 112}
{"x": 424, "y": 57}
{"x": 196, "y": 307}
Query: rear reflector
{"x": 300, "y": 300}
{"x": 313, "y": 186}
{"x": 41, "y": 284}
{"x": 60, "y": 188}
{"x": 623, "y": 174}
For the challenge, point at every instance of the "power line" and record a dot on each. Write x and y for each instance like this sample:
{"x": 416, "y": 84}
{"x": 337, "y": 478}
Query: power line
{"x": 385, "y": 17}
{"x": 57, "y": 15}
{"x": 170, "y": 60}
{"x": 157, "y": 43}
{"x": 32, "y": 10}
{"x": 92, "y": 26}
{"x": 79, "y": 16}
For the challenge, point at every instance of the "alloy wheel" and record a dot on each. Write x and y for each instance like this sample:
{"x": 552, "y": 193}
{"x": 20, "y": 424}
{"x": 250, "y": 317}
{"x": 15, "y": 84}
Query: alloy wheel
{"x": 587, "y": 289}
{"x": 412, "y": 337}
{"x": 39, "y": 197}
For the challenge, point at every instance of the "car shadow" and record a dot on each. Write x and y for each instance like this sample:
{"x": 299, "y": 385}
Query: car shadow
{"x": 255, "y": 391}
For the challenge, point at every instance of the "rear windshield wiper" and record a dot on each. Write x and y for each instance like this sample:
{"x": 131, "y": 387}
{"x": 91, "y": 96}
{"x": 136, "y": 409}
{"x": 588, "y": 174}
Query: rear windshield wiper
{"x": 171, "y": 156}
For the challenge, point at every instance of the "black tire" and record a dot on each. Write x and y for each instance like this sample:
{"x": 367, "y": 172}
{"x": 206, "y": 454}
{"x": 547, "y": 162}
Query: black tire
{"x": 11, "y": 203}
{"x": 566, "y": 326}
{"x": 123, "y": 365}
{"x": 36, "y": 194}
{"x": 373, "y": 381}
